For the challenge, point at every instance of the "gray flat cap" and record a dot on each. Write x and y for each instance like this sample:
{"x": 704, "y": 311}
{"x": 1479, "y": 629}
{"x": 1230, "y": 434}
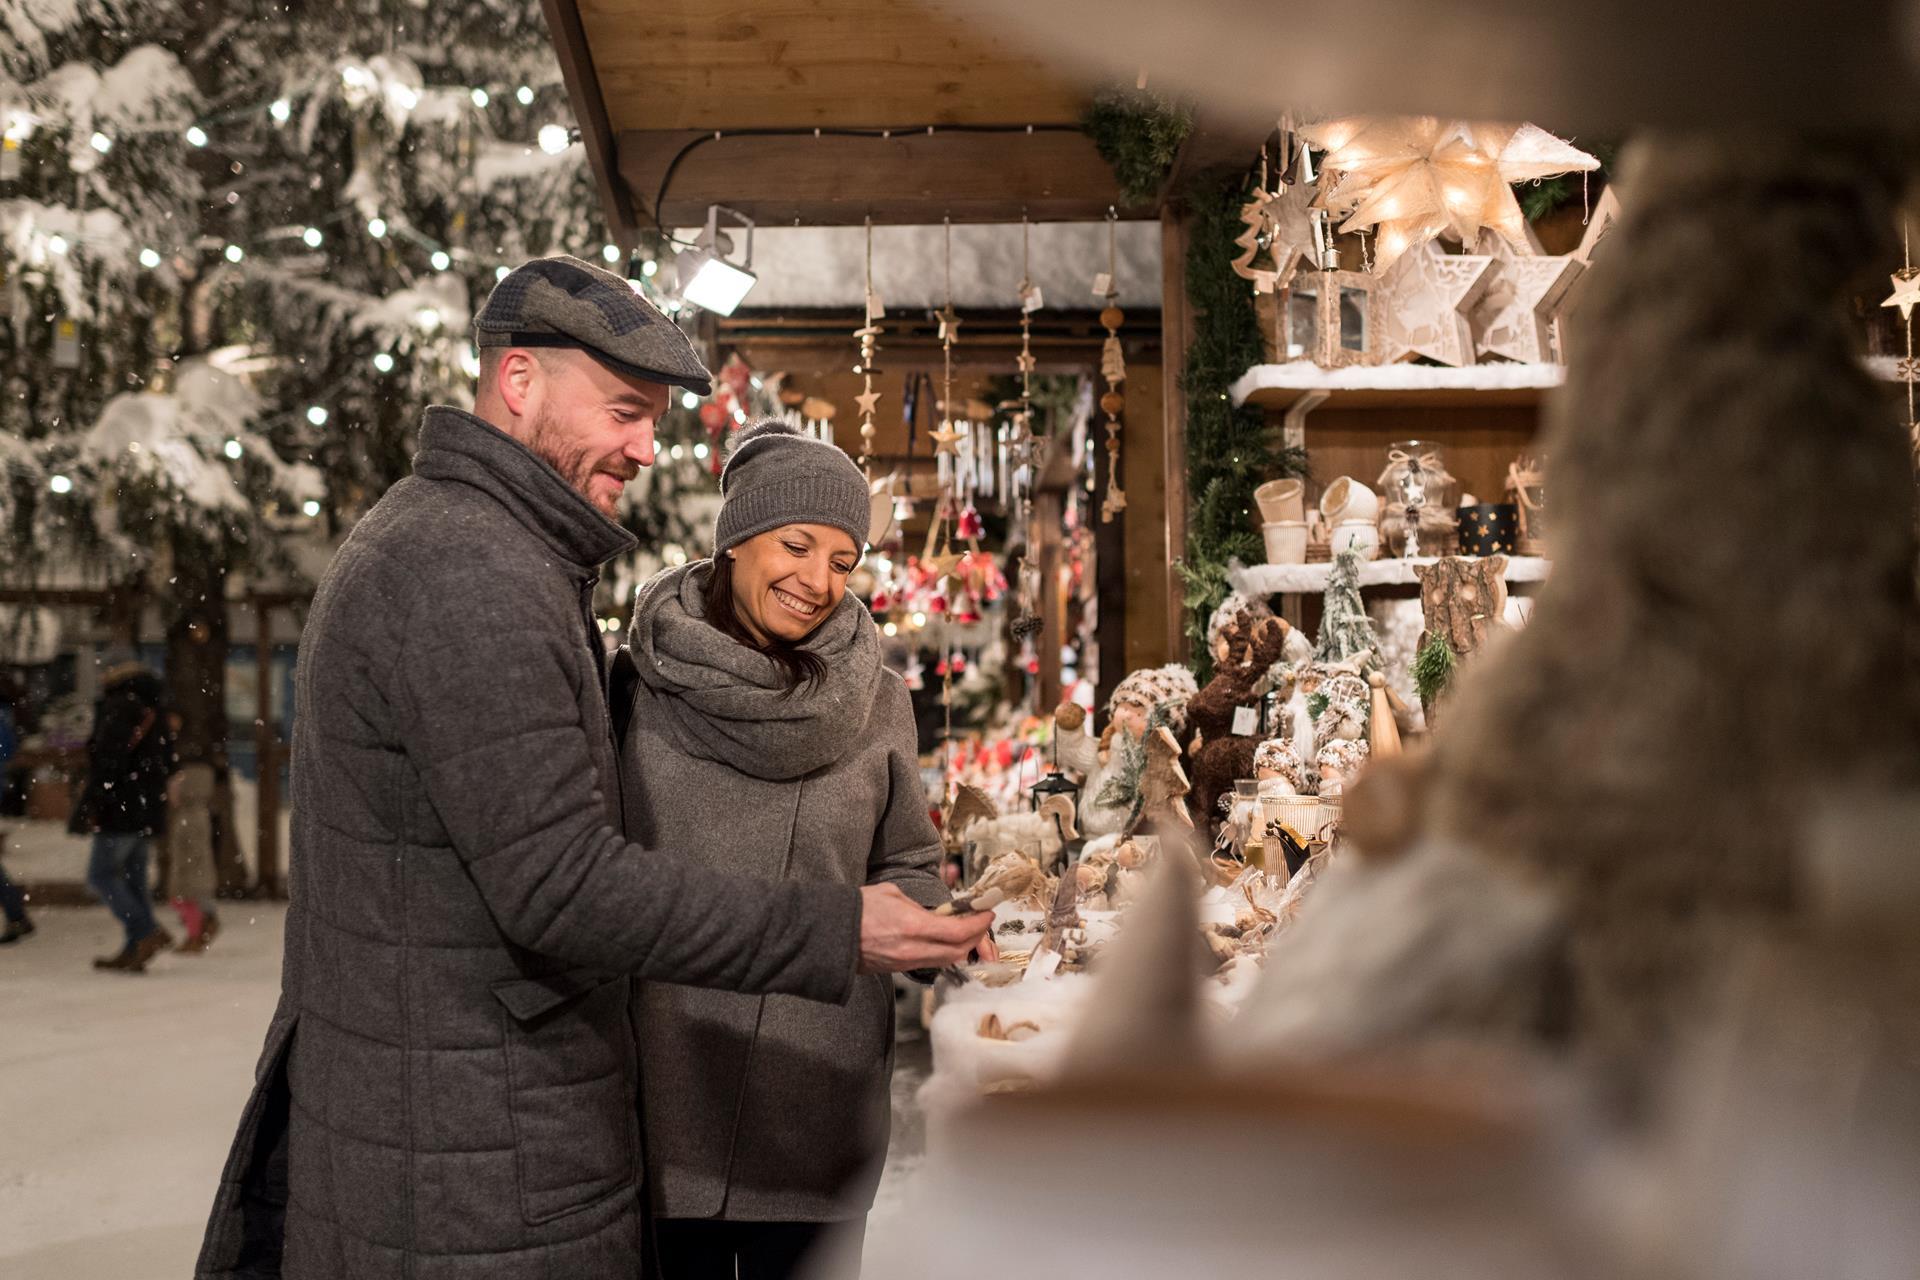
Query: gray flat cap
{"x": 564, "y": 302}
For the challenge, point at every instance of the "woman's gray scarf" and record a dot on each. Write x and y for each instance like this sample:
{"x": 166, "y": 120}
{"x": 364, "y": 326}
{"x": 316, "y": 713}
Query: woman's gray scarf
{"x": 727, "y": 701}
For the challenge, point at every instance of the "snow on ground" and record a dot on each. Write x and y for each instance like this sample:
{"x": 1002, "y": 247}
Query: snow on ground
{"x": 120, "y": 1093}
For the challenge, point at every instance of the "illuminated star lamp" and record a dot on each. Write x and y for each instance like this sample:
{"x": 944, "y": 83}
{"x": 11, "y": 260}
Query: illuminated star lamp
{"x": 1412, "y": 178}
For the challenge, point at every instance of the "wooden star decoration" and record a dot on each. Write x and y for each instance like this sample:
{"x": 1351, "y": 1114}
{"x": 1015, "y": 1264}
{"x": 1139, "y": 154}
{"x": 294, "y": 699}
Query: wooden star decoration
{"x": 1514, "y": 316}
{"x": 1906, "y": 291}
{"x": 1026, "y": 363}
{"x": 1253, "y": 216}
{"x": 943, "y": 567}
{"x": 1420, "y": 306}
{"x": 946, "y": 439}
{"x": 866, "y": 400}
{"x": 949, "y": 324}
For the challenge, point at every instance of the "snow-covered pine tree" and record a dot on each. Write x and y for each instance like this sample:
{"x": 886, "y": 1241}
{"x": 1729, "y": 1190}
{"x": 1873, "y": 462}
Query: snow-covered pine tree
{"x": 1346, "y": 632}
{"x": 242, "y": 241}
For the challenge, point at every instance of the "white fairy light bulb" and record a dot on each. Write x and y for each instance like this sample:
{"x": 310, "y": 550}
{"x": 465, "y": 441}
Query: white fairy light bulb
{"x": 481, "y": 98}
{"x": 611, "y": 252}
{"x": 196, "y": 135}
{"x": 100, "y": 142}
{"x": 688, "y": 400}
{"x": 441, "y": 261}
{"x": 235, "y": 253}
{"x": 524, "y": 95}
{"x": 57, "y": 244}
{"x": 700, "y": 452}
{"x": 383, "y": 362}
{"x": 311, "y": 237}
{"x": 281, "y": 110}
{"x": 553, "y": 138}
{"x": 149, "y": 259}
{"x": 317, "y": 415}
{"x": 233, "y": 450}
{"x": 310, "y": 507}
{"x": 428, "y": 318}
{"x": 60, "y": 484}
{"x": 676, "y": 453}
{"x": 648, "y": 268}
{"x": 377, "y": 228}
{"x": 501, "y": 273}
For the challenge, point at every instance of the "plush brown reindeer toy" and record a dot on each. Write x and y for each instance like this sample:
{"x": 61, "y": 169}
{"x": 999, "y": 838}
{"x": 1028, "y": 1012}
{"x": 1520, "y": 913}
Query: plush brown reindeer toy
{"x": 1219, "y": 755}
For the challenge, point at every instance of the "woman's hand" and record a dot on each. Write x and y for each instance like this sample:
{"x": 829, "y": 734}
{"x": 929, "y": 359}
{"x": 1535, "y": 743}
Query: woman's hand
{"x": 988, "y": 951}
{"x": 898, "y": 934}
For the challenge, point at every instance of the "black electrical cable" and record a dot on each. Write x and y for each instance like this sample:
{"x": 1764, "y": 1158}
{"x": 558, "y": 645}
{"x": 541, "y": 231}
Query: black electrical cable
{"x": 804, "y": 131}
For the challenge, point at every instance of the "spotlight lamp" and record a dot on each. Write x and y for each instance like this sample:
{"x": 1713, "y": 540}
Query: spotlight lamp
{"x": 708, "y": 279}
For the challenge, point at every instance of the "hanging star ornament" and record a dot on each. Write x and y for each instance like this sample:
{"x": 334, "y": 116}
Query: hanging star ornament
{"x": 1280, "y": 223}
{"x": 1420, "y": 307}
{"x": 1411, "y": 178}
{"x": 1906, "y": 291}
{"x": 949, "y": 324}
{"x": 1514, "y": 316}
{"x": 866, "y": 400}
{"x": 946, "y": 439}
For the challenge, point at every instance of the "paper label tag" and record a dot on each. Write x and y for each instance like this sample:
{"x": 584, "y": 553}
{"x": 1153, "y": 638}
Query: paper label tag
{"x": 1030, "y": 299}
{"x": 874, "y": 309}
{"x": 1246, "y": 720}
{"x": 1102, "y": 285}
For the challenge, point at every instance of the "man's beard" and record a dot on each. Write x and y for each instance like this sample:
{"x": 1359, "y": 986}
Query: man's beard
{"x": 549, "y": 442}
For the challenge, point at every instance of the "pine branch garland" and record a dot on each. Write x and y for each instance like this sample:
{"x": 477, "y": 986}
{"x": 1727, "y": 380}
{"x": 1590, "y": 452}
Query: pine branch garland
{"x": 1230, "y": 450}
{"x": 1138, "y": 134}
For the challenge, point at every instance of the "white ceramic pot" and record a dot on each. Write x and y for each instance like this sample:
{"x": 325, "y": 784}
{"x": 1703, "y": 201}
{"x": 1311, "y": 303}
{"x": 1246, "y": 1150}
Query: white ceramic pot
{"x": 1357, "y": 535}
{"x": 1286, "y": 541}
{"x": 1348, "y": 499}
{"x": 1282, "y": 502}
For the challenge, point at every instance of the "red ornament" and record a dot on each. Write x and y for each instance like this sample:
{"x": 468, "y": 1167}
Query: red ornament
{"x": 713, "y": 417}
{"x": 970, "y": 524}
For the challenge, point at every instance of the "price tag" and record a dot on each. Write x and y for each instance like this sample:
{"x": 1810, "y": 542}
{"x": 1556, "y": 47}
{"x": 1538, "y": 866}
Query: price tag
{"x": 1030, "y": 300}
{"x": 874, "y": 308}
{"x": 1102, "y": 285}
{"x": 1246, "y": 721}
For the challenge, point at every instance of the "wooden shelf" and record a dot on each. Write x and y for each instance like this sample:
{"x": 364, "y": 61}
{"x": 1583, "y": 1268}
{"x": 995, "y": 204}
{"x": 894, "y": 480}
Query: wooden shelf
{"x": 1261, "y": 580}
{"x": 1396, "y": 386}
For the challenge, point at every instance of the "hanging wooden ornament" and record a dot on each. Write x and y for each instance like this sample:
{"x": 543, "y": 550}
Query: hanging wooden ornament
{"x": 1514, "y": 316}
{"x": 1113, "y": 369}
{"x": 1279, "y": 235}
{"x": 947, "y": 438}
{"x": 1600, "y": 225}
{"x": 868, "y": 336}
{"x": 1421, "y": 305}
{"x": 1906, "y": 293}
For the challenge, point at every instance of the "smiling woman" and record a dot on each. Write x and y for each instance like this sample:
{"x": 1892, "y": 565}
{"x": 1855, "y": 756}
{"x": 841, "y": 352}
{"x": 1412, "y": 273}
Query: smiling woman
{"x": 765, "y": 738}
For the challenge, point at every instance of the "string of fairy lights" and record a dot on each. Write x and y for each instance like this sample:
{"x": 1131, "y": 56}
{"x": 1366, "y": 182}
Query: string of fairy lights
{"x": 356, "y": 80}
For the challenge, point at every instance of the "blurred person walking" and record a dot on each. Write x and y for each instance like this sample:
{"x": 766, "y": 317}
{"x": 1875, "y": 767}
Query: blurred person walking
{"x": 124, "y": 805}
{"x": 191, "y": 878}
{"x": 12, "y": 901}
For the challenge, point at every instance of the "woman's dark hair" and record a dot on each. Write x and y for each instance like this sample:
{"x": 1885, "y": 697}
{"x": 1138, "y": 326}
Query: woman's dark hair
{"x": 798, "y": 667}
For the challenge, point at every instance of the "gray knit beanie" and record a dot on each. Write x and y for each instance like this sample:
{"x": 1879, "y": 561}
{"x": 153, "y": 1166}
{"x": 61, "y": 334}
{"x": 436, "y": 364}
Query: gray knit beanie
{"x": 776, "y": 476}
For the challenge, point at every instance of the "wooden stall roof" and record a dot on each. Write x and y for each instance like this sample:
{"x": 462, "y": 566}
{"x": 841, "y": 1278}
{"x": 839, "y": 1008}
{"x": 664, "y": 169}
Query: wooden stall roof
{"x": 923, "y": 110}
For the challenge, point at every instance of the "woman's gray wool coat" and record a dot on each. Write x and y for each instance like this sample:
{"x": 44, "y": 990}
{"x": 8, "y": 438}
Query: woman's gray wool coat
{"x": 771, "y": 1108}
{"x": 447, "y": 1090}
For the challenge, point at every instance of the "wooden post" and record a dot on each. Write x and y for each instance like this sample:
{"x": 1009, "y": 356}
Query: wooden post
{"x": 1176, "y": 333}
{"x": 266, "y": 751}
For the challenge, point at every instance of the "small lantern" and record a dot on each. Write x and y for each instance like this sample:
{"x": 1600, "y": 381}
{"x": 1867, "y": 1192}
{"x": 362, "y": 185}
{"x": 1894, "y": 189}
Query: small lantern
{"x": 1054, "y": 784}
{"x": 1328, "y": 318}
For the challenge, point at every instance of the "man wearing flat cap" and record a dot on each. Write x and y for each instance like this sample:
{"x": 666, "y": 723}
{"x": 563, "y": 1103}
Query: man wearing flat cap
{"x": 448, "y": 1087}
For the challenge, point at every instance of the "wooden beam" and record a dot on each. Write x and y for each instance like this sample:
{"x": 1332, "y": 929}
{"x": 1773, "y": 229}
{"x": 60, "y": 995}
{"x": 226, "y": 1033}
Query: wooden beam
{"x": 914, "y": 179}
{"x": 590, "y": 111}
{"x": 697, "y": 64}
{"x": 1176, "y": 334}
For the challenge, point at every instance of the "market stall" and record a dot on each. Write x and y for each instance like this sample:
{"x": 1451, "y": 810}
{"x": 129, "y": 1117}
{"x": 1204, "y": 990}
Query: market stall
{"x": 1472, "y": 442}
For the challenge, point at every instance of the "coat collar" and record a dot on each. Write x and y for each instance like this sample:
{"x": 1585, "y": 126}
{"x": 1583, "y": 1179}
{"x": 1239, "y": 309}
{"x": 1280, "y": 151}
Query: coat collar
{"x": 455, "y": 445}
